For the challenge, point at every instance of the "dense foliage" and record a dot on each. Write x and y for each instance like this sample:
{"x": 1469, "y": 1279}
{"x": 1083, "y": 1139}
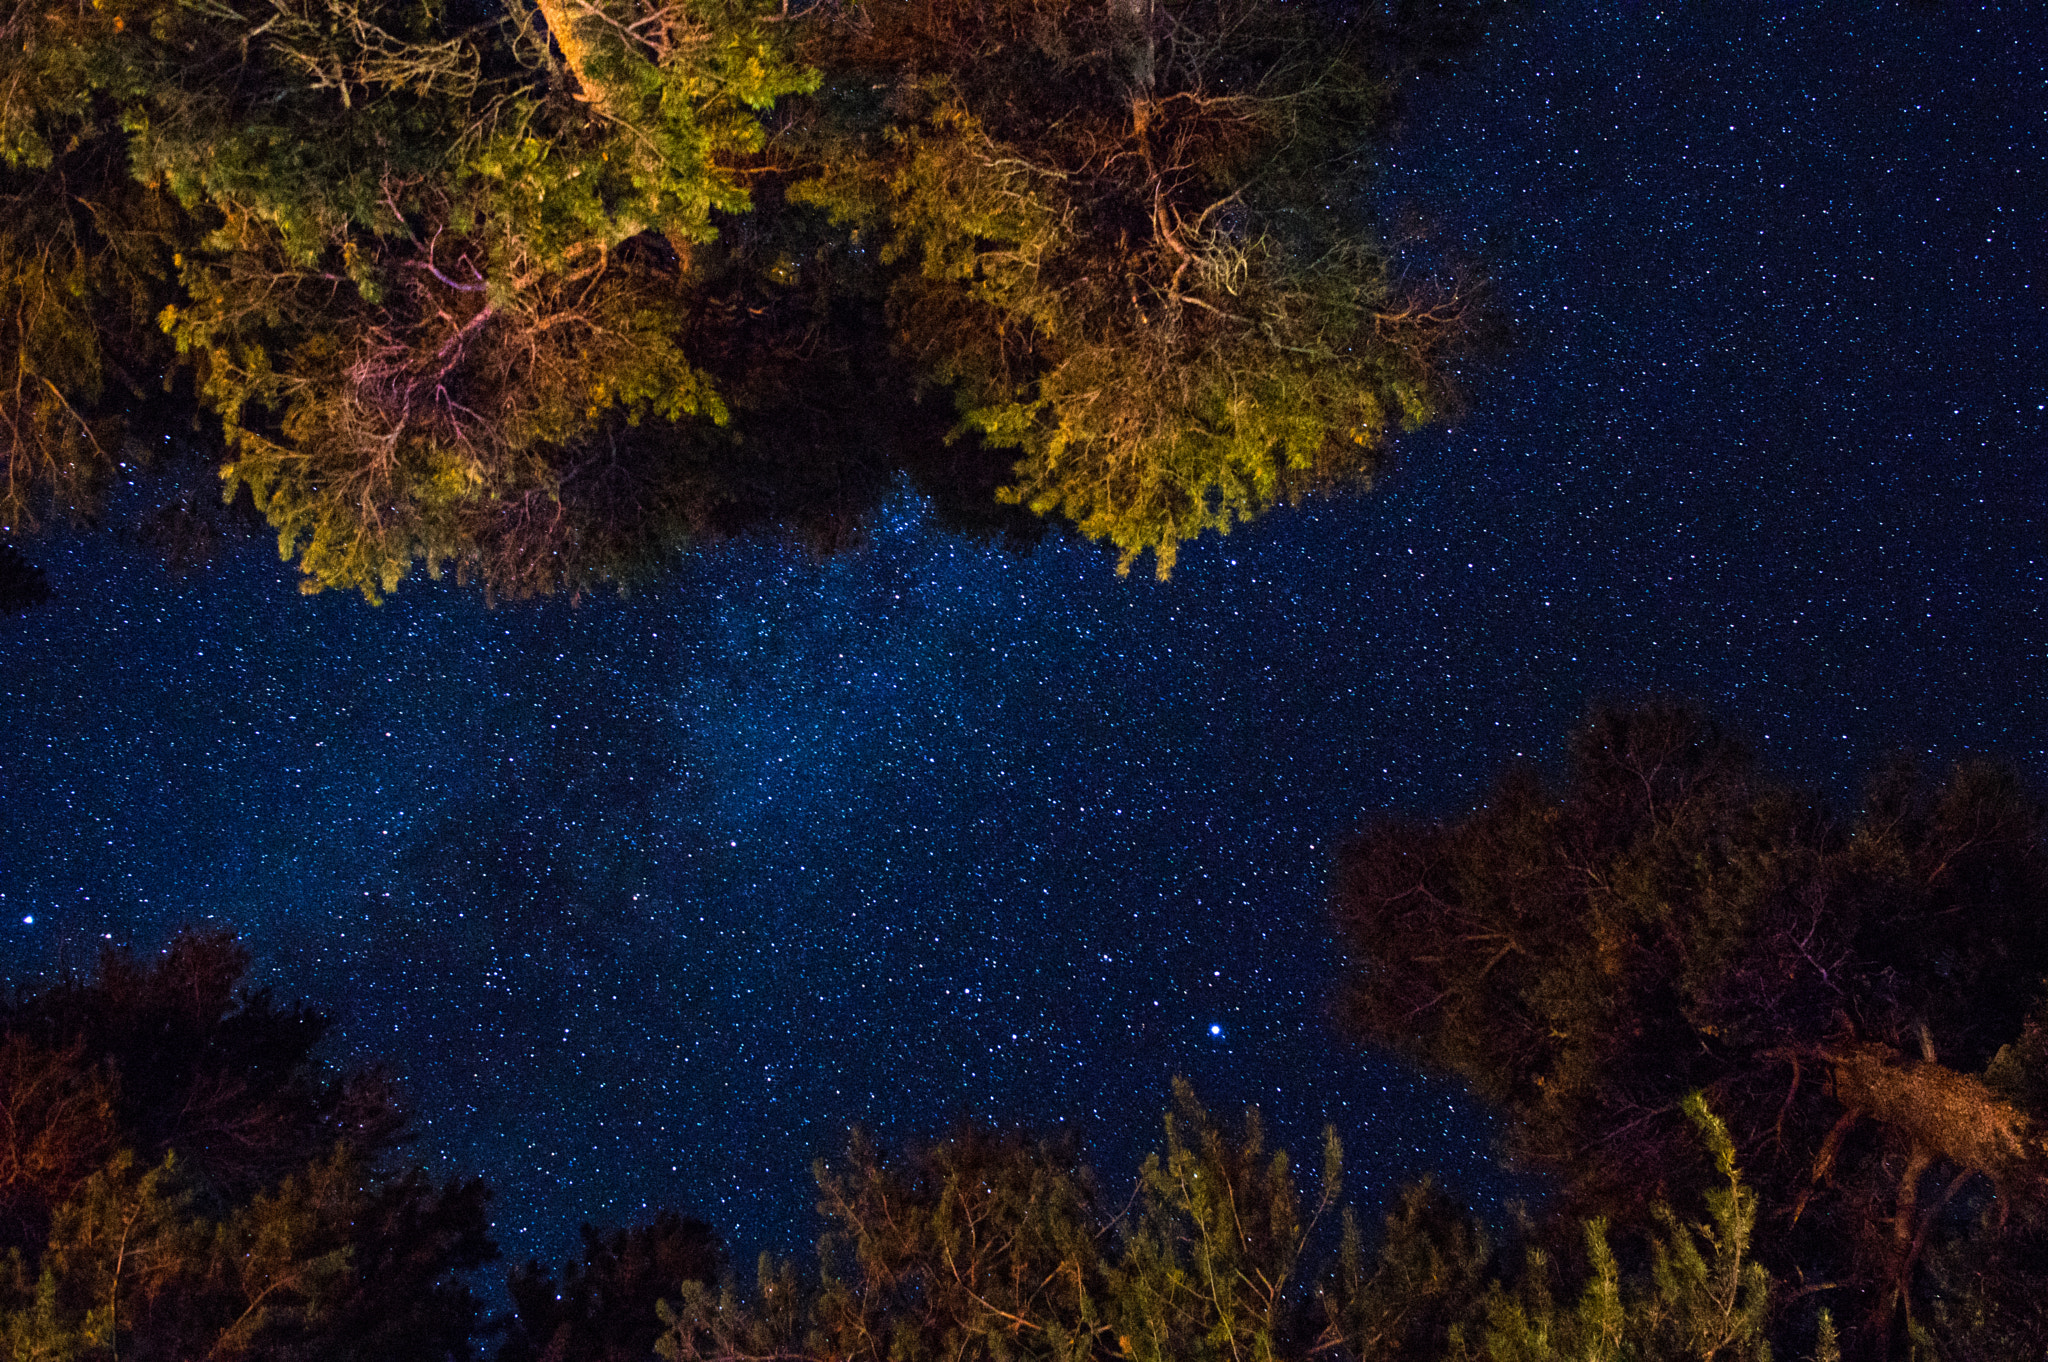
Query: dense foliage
{"x": 1130, "y": 234}
{"x": 1004, "y": 1251}
{"x": 541, "y": 293}
{"x": 178, "y": 1180}
{"x": 1862, "y": 1001}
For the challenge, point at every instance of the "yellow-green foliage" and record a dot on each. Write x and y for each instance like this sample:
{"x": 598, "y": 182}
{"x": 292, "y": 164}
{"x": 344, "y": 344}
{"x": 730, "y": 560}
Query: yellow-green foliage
{"x": 1166, "y": 298}
{"x": 1707, "y": 1298}
{"x": 680, "y": 102}
{"x": 124, "y": 1235}
{"x": 84, "y": 255}
{"x": 399, "y": 284}
{"x": 983, "y": 1248}
{"x": 127, "y": 1253}
{"x": 1134, "y": 242}
{"x": 387, "y": 447}
{"x": 58, "y": 442}
{"x": 1207, "y": 1271}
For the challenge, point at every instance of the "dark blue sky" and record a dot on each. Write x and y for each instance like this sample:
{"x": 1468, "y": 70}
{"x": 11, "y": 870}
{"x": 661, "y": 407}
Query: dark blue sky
{"x": 646, "y": 900}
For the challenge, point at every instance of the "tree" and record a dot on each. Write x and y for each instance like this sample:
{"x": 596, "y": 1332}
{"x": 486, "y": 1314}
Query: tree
{"x": 603, "y": 1309}
{"x": 490, "y": 292}
{"x": 86, "y": 263}
{"x": 1130, "y": 236}
{"x": 189, "y": 1065}
{"x": 241, "y": 1205}
{"x": 513, "y": 309}
{"x": 178, "y": 1180}
{"x": 1674, "y": 922}
{"x": 1706, "y": 1298}
{"x": 56, "y": 1129}
{"x": 23, "y": 586}
{"x": 996, "y": 1247}
{"x": 392, "y": 254}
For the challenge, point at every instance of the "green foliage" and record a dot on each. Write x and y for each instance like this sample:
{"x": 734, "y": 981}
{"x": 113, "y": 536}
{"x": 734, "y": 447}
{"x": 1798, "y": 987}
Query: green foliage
{"x": 85, "y": 258}
{"x": 1208, "y": 1269}
{"x": 460, "y": 295}
{"x": 115, "y": 1250}
{"x": 1706, "y": 1296}
{"x": 1718, "y": 1308}
{"x": 129, "y": 1269}
{"x": 1426, "y": 1286}
{"x": 1129, "y": 239}
{"x": 980, "y": 1246}
{"x": 996, "y": 1248}
{"x": 394, "y": 261}
{"x": 501, "y": 342}
{"x": 373, "y": 451}
{"x": 679, "y": 87}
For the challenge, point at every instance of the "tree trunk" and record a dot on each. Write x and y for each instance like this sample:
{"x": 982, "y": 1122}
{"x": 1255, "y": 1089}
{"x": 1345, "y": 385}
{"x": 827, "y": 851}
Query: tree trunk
{"x": 564, "y": 17}
{"x": 1945, "y": 1112}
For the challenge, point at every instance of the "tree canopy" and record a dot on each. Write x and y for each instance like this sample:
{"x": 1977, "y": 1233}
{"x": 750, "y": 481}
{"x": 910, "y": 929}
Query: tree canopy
{"x": 540, "y": 293}
{"x": 1862, "y": 1000}
{"x": 179, "y": 1179}
{"x": 1001, "y": 1250}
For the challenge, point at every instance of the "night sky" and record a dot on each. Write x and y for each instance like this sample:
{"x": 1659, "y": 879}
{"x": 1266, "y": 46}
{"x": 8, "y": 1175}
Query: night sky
{"x": 646, "y": 900}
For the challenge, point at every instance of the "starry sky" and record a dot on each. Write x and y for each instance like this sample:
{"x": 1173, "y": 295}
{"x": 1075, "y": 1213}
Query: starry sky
{"x": 645, "y": 901}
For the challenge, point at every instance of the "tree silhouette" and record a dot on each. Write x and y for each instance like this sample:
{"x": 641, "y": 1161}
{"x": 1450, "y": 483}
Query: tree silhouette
{"x": 178, "y": 1179}
{"x": 1853, "y": 998}
{"x": 22, "y": 584}
{"x": 603, "y": 1308}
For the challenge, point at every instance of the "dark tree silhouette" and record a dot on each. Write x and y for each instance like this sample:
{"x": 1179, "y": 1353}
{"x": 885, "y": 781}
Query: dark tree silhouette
{"x": 1853, "y": 997}
{"x": 195, "y": 1066}
{"x": 603, "y": 1308}
{"x": 22, "y": 584}
{"x": 179, "y": 1178}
